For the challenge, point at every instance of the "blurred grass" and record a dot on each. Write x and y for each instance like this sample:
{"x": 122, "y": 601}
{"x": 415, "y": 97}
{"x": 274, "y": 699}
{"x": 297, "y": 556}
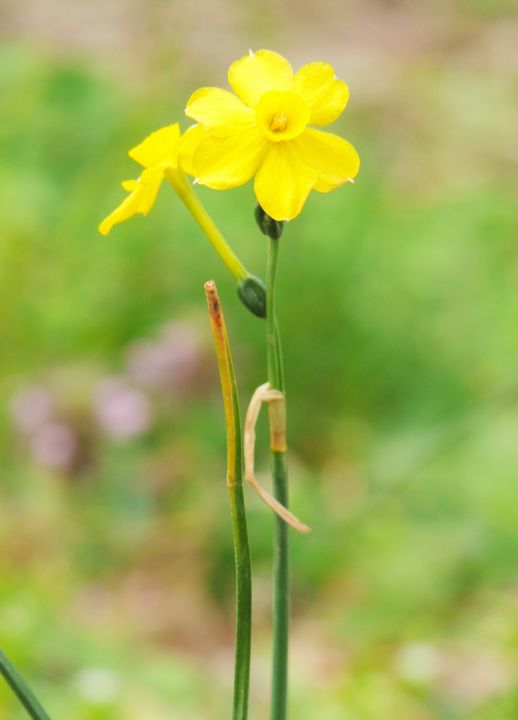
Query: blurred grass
{"x": 398, "y": 304}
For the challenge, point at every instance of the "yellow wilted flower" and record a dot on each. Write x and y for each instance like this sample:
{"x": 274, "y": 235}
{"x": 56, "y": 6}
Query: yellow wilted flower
{"x": 263, "y": 130}
{"x": 166, "y": 153}
{"x": 157, "y": 154}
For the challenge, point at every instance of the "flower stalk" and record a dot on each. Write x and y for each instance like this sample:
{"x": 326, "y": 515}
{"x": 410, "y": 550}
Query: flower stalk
{"x": 251, "y": 290}
{"x": 22, "y": 690}
{"x": 237, "y": 505}
{"x": 281, "y": 574}
{"x": 193, "y": 204}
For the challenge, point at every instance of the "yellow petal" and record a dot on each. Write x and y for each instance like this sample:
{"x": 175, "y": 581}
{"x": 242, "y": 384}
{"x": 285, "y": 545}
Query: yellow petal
{"x": 219, "y": 111}
{"x": 334, "y": 160}
{"x": 326, "y": 96}
{"x": 256, "y": 73}
{"x": 127, "y": 208}
{"x": 188, "y": 144}
{"x": 223, "y": 163}
{"x": 140, "y": 200}
{"x": 283, "y": 181}
{"x": 160, "y": 146}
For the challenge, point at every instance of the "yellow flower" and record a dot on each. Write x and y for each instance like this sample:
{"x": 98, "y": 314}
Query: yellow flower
{"x": 263, "y": 130}
{"x": 158, "y": 155}
{"x": 168, "y": 154}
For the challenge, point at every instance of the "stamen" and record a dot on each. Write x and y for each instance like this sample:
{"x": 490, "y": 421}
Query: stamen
{"x": 279, "y": 122}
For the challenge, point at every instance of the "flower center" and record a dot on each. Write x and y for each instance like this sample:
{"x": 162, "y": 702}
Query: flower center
{"x": 279, "y": 122}
{"x": 282, "y": 115}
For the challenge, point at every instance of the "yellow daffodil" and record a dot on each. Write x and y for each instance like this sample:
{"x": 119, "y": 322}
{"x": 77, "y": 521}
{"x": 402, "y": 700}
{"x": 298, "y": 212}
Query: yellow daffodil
{"x": 166, "y": 153}
{"x": 263, "y": 130}
{"x": 158, "y": 155}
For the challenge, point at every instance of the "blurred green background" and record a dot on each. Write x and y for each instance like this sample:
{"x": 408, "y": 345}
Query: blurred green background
{"x": 398, "y": 306}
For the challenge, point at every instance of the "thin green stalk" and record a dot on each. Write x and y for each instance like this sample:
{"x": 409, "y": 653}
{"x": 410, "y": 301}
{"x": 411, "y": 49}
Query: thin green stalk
{"x": 192, "y": 202}
{"x": 250, "y": 289}
{"x": 21, "y": 690}
{"x": 278, "y": 354}
{"x": 281, "y": 579}
{"x": 237, "y": 505}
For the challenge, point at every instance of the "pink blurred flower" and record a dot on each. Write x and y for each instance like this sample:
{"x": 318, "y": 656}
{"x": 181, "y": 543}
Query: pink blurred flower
{"x": 32, "y": 408}
{"x": 121, "y": 411}
{"x": 171, "y": 362}
{"x": 54, "y": 446}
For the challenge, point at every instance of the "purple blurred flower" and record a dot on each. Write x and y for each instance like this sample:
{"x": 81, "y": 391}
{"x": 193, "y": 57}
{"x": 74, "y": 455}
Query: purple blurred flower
{"x": 171, "y": 362}
{"x": 55, "y": 446}
{"x": 121, "y": 410}
{"x": 32, "y": 408}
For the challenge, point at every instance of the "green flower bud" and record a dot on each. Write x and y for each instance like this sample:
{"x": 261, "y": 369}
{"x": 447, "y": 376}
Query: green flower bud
{"x": 267, "y": 225}
{"x": 252, "y": 293}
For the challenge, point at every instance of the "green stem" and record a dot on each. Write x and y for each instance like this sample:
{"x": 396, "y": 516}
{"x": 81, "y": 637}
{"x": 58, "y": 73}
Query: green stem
{"x": 281, "y": 581}
{"x": 21, "y": 690}
{"x": 243, "y": 602}
{"x": 192, "y": 202}
{"x": 278, "y": 356}
{"x": 237, "y": 505}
